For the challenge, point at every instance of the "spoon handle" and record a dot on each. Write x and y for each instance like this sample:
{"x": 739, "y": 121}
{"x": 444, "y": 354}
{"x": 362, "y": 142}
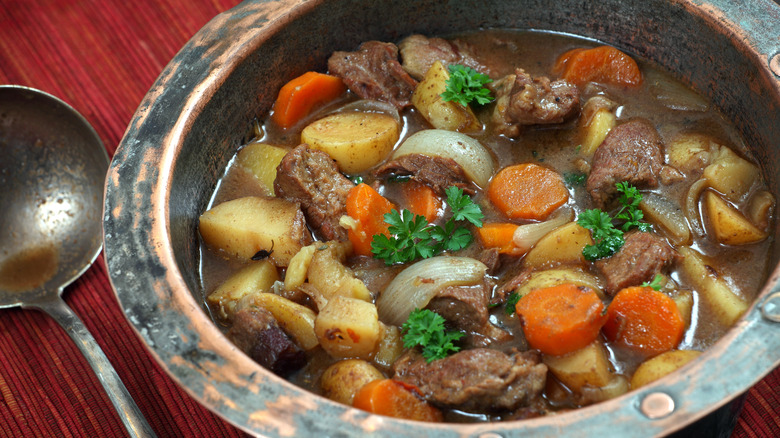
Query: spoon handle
{"x": 124, "y": 404}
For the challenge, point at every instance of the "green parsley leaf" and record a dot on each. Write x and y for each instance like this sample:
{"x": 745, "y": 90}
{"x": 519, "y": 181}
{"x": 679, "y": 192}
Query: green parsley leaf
{"x": 426, "y": 329}
{"x": 466, "y": 85}
{"x": 413, "y": 237}
{"x": 658, "y": 282}
{"x": 511, "y": 302}
{"x": 574, "y": 179}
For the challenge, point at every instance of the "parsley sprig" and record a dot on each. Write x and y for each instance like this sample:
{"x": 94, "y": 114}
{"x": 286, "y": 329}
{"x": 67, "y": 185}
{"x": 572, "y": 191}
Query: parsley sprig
{"x": 466, "y": 85}
{"x": 609, "y": 238}
{"x": 412, "y": 237}
{"x": 658, "y": 282}
{"x": 426, "y": 329}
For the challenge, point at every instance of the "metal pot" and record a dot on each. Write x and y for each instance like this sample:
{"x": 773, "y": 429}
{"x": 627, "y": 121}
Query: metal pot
{"x": 201, "y": 109}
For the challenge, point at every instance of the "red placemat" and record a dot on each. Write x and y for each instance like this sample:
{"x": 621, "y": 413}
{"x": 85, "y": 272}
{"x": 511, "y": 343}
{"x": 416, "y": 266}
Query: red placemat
{"x": 101, "y": 56}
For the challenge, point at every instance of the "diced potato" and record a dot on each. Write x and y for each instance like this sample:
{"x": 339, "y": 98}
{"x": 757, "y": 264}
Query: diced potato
{"x": 356, "y": 140}
{"x": 595, "y": 132}
{"x": 690, "y": 152}
{"x": 553, "y": 277}
{"x": 256, "y": 277}
{"x": 586, "y": 366}
{"x": 684, "y": 301}
{"x": 728, "y": 225}
{"x": 348, "y": 327}
{"x": 760, "y": 209}
{"x": 725, "y": 304}
{"x": 260, "y": 161}
{"x": 298, "y": 267}
{"x": 617, "y": 386}
{"x": 244, "y": 226}
{"x": 390, "y": 346}
{"x": 562, "y": 246}
{"x": 661, "y": 365}
{"x": 730, "y": 174}
{"x": 293, "y": 318}
{"x": 668, "y": 215}
{"x": 329, "y": 275}
{"x": 342, "y": 380}
{"x": 442, "y": 114}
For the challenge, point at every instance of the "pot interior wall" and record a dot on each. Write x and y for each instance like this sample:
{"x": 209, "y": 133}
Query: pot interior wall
{"x": 669, "y": 33}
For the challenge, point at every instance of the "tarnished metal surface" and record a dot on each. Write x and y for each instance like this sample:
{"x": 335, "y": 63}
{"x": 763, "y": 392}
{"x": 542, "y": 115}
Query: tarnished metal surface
{"x": 197, "y": 114}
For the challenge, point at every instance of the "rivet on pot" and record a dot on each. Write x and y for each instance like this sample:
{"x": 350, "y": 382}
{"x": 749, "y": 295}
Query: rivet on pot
{"x": 774, "y": 64}
{"x": 490, "y": 435}
{"x": 771, "y": 307}
{"x": 657, "y": 405}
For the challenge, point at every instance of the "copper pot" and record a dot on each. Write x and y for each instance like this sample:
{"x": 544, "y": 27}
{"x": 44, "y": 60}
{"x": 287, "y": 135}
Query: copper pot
{"x": 201, "y": 109}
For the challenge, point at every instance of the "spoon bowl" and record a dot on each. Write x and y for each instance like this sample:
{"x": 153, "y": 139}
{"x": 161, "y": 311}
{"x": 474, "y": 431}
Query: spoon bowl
{"x": 52, "y": 171}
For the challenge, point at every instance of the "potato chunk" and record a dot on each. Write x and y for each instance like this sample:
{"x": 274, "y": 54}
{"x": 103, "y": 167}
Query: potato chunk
{"x": 348, "y": 327}
{"x": 596, "y": 130}
{"x": 256, "y": 277}
{"x": 690, "y": 152}
{"x": 342, "y": 380}
{"x": 356, "y": 140}
{"x": 554, "y": 277}
{"x": 244, "y": 226}
{"x": 661, "y": 365}
{"x": 562, "y": 246}
{"x": 729, "y": 226}
{"x": 725, "y": 304}
{"x": 731, "y": 174}
{"x": 293, "y": 318}
{"x": 586, "y": 366}
{"x": 442, "y": 114}
{"x": 260, "y": 161}
{"x": 328, "y": 274}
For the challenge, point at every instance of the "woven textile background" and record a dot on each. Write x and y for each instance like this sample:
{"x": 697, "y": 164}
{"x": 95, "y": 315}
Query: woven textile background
{"x": 101, "y": 56}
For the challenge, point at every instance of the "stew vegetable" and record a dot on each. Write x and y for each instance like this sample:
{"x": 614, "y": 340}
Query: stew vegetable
{"x": 494, "y": 226}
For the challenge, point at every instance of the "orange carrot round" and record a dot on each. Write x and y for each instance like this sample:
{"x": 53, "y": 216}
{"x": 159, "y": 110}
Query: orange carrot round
{"x": 644, "y": 319}
{"x": 422, "y": 200}
{"x": 600, "y": 64}
{"x": 499, "y": 235}
{"x": 394, "y": 399}
{"x": 560, "y": 319}
{"x": 367, "y": 208}
{"x": 527, "y": 191}
{"x": 297, "y": 97}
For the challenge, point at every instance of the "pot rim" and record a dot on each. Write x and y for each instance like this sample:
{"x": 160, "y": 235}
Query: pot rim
{"x": 182, "y": 338}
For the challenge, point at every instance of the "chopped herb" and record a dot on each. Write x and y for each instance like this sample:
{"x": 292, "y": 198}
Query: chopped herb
{"x": 574, "y": 179}
{"x": 658, "y": 282}
{"x": 609, "y": 239}
{"x": 511, "y": 302}
{"x": 412, "y": 237}
{"x": 466, "y": 85}
{"x": 426, "y": 329}
{"x": 356, "y": 179}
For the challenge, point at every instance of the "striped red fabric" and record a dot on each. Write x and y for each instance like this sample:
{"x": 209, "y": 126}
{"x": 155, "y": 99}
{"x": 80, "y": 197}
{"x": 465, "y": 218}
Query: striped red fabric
{"x": 101, "y": 56}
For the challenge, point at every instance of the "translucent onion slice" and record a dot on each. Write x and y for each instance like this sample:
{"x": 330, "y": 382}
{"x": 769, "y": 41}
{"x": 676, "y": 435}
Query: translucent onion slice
{"x": 668, "y": 215}
{"x": 469, "y": 153}
{"x": 692, "y": 206}
{"x": 526, "y": 236}
{"x": 416, "y": 285}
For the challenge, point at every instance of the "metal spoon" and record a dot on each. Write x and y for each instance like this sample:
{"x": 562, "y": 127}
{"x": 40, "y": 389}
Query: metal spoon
{"x": 52, "y": 170}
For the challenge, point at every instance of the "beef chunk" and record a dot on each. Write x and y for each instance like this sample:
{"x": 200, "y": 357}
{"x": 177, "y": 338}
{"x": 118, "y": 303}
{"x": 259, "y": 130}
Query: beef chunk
{"x": 373, "y": 72}
{"x": 437, "y": 172}
{"x": 523, "y": 100}
{"x": 419, "y": 53}
{"x": 631, "y": 152}
{"x": 311, "y": 178}
{"x": 641, "y": 257}
{"x": 466, "y": 308}
{"x": 256, "y": 333}
{"x": 475, "y": 380}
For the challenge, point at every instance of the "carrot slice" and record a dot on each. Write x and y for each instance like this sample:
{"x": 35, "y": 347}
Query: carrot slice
{"x": 297, "y": 97}
{"x": 600, "y": 64}
{"x": 422, "y": 200}
{"x": 527, "y": 191}
{"x": 645, "y": 319}
{"x": 560, "y": 319}
{"x": 367, "y": 208}
{"x": 499, "y": 235}
{"x": 394, "y": 399}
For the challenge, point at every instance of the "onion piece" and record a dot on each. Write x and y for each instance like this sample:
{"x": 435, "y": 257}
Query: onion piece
{"x": 416, "y": 285}
{"x": 526, "y": 236}
{"x": 673, "y": 94}
{"x": 469, "y": 153}
{"x": 668, "y": 215}
{"x": 692, "y": 206}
